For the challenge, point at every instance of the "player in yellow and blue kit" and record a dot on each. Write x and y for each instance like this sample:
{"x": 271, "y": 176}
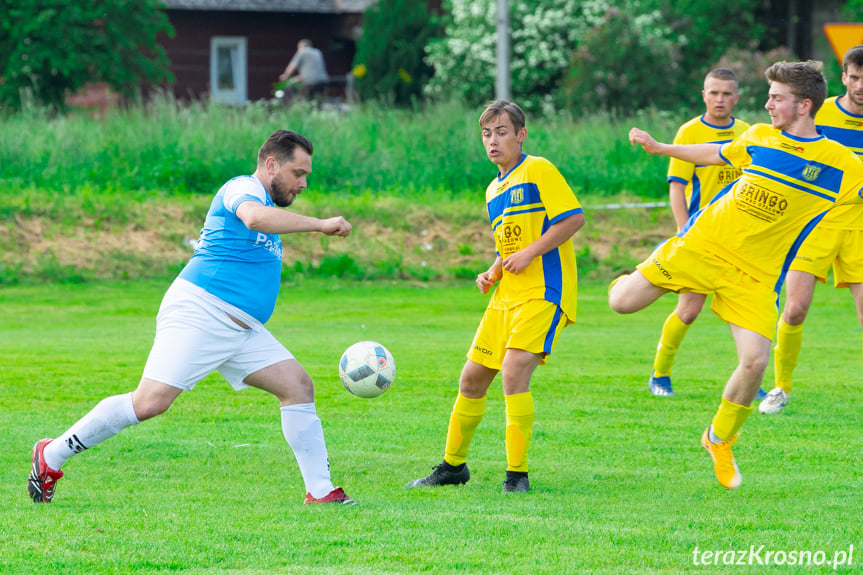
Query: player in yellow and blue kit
{"x": 740, "y": 246}
{"x": 690, "y": 188}
{"x": 533, "y": 215}
{"x": 836, "y": 242}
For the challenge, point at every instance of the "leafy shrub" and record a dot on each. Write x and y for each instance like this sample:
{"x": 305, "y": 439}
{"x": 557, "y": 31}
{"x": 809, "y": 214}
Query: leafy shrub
{"x": 623, "y": 62}
{"x": 542, "y": 37}
{"x": 389, "y": 62}
{"x": 49, "y": 48}
{"x": 749, "y": 65}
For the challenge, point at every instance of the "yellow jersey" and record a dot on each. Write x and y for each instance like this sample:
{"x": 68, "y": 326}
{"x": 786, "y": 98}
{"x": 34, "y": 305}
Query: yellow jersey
{"x": 703, "y": 182}
{"x": 787, "y": 186}
{"x": 837, "y": 123}
{"x": 522, "y": 204}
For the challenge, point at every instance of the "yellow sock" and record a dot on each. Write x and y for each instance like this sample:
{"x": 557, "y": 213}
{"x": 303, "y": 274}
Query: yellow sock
{"x": 466, "y": 415}
{"x": 673, "y": 332}
{"x": 789, "y": 340}
{"x": 729, "y": 419}
{"x": 519, "y": 425}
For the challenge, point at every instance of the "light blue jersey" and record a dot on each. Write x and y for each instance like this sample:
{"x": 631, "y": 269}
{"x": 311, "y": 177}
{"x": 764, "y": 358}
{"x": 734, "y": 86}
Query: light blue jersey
{"x": 237, "y": 265}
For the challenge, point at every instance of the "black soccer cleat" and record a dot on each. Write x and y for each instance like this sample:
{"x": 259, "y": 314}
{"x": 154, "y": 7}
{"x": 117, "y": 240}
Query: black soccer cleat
{"x": 516, "y": 482}
{"x": 443, "y": 474}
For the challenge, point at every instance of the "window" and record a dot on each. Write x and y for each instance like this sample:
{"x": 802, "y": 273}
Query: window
{"x": 228, "y": 69}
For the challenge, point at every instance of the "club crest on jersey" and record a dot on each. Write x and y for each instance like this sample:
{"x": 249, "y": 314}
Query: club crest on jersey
{"x": 811, "y": 172}
{"x": 516, "y": 196}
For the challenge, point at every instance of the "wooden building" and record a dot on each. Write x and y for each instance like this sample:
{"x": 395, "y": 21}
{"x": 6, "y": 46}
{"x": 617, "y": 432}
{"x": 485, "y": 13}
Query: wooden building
{"x": 234, "y": 50}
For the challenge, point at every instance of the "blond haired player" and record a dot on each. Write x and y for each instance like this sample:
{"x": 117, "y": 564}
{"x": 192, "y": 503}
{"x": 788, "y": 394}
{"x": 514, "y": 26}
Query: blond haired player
{"x": 836, "y": 242}
{"x": 691, "y": 187}
{"x": 533, "y": 214}
{"x": 739, "y": 247}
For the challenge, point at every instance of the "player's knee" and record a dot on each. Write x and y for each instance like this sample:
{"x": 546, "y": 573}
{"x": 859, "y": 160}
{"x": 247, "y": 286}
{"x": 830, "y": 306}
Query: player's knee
{"x": 149, "y": 406}
{"x": 754, "y": 365}
{"x": 795, "y": 312}
{"x": 300, "y": 389}
{"x": 618, "y": 300}
{"x": 688, "y": 316}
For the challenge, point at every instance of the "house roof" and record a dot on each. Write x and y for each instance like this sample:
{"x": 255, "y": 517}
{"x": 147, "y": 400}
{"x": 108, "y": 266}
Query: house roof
{"x": 310, "y": 6}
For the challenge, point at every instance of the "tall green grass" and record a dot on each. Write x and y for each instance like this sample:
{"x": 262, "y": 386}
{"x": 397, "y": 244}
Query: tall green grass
{"x": 171, "y": 147}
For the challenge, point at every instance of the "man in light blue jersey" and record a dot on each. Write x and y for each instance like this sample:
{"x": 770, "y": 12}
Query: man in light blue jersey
{"x": 212, "y": 319}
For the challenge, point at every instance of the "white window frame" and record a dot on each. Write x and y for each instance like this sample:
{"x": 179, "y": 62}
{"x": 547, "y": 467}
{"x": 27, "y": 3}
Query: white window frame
{"x": 238, "y": 46}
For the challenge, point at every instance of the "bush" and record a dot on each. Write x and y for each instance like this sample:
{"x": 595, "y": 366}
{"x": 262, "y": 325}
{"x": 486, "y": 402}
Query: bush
{"x": 749, "y": 65}
{"x": 389, "y": 63}
{"x": 542, "y": 37}
{"x": 50, "y": 48}
{"x": 623, "y": 63}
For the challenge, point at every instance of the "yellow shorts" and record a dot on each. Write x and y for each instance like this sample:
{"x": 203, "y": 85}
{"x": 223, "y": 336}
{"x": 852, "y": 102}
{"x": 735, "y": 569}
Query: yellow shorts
{"x": 843, "y": 249}
{"x": 533, "y": 326}
{"x": 738, "y": 298}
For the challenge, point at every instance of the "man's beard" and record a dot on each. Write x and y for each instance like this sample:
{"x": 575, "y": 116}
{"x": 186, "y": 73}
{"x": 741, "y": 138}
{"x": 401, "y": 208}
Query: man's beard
{"x": 282, "y": 197}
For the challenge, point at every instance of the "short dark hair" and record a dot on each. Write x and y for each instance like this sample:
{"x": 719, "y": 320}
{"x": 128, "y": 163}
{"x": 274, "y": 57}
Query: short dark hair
{"x": 281, "y": 145}
{"x": 854, "y": 56}
{"x": 804, "y": 78}
{"x": 498, "y": 107}
{"x": 723, "y": 74}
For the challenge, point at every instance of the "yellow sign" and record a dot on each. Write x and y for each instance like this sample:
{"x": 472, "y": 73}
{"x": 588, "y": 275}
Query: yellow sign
{"x": 843, "y": 36}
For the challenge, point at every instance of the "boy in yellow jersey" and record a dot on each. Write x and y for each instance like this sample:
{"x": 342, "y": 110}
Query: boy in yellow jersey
{"x": 690, "y": 188}
{"x": 533, "y": 215}
{"x": 837, "y": 241}
{"x": 739, "y": 247}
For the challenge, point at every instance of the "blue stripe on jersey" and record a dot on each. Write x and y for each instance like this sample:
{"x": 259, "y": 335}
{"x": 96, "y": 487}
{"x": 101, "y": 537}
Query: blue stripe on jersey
{"x": 695, "y": 200}
{"x": 549, "y": 336}
{"x": 793, "y": 167}
{"x": 565, "y": 215}
{"x": 552, "y": 271}
{"x": 525, "y": 210}
{"x": 676, "y": 179}
{"x": 500, "y": 203}
{"x": 790, "y": 184}
{"x": 847, "y": 137}
{"x": 794, "y": 247}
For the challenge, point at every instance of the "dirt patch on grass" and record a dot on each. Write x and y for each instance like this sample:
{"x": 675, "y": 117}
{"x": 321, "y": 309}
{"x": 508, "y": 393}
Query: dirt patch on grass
{"x": 39, "y": 249}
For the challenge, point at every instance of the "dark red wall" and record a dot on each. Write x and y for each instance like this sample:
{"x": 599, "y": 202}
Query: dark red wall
{"x": 271, "y": 39}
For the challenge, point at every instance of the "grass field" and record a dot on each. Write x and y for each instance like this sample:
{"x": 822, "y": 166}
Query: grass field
{"x": 619, "y": 481}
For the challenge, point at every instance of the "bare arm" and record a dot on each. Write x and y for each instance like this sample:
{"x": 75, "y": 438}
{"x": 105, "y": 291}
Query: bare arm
{"x": 287, "y": 73}
{"x": 703, "y": 154}
{"x": 488, "y": 278}
{"x": 677, "y": 199}
{"x": 554, "y": 236}
{"x": 271, "y": 220}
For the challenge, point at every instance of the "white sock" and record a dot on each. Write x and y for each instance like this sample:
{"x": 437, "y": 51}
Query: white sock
{"x": 304, "y": 433}
{"x": 111, "y": 416}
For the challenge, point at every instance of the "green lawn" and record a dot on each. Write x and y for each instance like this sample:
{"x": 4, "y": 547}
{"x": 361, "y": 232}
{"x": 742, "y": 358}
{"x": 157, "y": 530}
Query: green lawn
{"x": 619, "y": 481}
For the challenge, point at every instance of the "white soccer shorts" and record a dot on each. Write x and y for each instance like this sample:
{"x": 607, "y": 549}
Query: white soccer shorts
{"x": 195, "y": 336}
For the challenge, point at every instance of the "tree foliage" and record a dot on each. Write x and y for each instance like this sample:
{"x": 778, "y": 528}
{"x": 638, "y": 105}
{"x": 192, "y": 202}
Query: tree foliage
{"x": 612, "y": 54}
{"x": 49, "y": 48}
{"x": 389, "y": 64}
{"x": 542, "y": 35}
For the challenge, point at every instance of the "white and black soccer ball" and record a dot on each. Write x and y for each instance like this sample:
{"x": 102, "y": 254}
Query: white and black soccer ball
{"x": 367, "y": 369}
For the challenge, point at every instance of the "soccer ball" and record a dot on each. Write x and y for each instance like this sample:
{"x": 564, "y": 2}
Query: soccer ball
{"x": 367, "y": 369}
